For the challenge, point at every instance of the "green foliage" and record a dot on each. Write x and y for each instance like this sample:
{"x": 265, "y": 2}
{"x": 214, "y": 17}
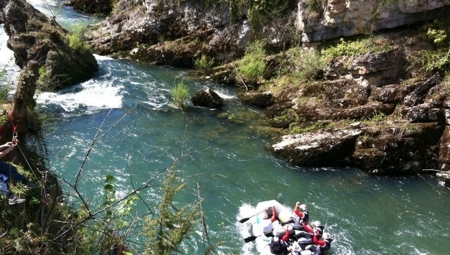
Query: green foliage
{"x": 166, "y": 230}
{"x": 445, "y": 84}
{"x": 251, "y": 67}
{"x": 429, "y": 60}
{"x": 262, "y": 11}
{"x": 377, "y": 117}
{"x": 294, "y": 128}
{"x": 305, "y": 64}
{"x": 2, "y": 73}
{"x": 6, "y": 85}
{"x": 314, "y": 5}
{"x": 98, "y": 236}
{"x": 77, "y": 39}
{"x": 438, "y": 36}
{"x": 438, "y": 58}
{"x": 180, "y": 93}
{"x": 356, "y": 47}
{"x": 204, "y": 63}
{"x": 44, "y": 79}
{"x": 4, "y": 90}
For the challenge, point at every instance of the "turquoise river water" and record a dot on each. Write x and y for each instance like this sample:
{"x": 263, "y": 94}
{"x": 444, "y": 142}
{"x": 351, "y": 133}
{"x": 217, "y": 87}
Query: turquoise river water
{"x": 127, "y": 107}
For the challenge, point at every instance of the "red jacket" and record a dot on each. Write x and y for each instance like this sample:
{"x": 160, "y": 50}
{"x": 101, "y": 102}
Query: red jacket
{"x": 298, "y": 212}
{"x": 286, "y": 236}
{"x": 316, "y": 240}
{"x": 274, "y": 214}
{"x": 306, "y": 227}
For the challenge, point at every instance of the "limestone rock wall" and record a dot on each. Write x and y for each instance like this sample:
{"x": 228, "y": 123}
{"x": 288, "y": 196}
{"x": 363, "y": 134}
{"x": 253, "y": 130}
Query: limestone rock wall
{"x": 328, "y": 19}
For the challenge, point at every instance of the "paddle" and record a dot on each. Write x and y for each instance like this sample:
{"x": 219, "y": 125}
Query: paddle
{"x": 246, "y": 219}
{"x": 253, "y": 238}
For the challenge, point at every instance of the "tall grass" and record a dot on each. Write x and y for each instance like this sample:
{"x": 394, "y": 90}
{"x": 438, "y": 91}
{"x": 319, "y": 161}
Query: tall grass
{"x": 180, "y": 93}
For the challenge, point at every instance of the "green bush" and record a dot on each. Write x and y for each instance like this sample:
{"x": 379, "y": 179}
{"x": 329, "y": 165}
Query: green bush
{"x": 311, "y": 64}
{"x": 300, "y": 65}
{"x": 438, "y": 58}
{"x": 166, "y": 230}
{"x": 204, "y": 63}
{"x": 76, "y": 38}
{"x": 251, "y": 67}
{"x": 428, "y": 60}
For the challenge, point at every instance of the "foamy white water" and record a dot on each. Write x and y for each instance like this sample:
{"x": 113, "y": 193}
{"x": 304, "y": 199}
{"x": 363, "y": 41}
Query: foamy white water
{"x": 7, "y": 60}
{"x": 90, "y": 96}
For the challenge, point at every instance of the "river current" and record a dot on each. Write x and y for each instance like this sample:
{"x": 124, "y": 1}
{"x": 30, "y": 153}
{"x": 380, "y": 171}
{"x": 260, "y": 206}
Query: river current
{"x": 126, "y": 108}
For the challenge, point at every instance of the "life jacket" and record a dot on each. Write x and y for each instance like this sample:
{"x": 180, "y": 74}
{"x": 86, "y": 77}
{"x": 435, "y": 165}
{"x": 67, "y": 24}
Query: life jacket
{"x": 300, "y": 221}
{"x": 278, "y": 246}
{"x": 305, "y": 217}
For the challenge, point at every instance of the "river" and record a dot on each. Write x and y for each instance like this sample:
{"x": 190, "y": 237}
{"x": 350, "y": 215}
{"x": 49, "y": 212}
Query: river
{"x": 127, "y": 109}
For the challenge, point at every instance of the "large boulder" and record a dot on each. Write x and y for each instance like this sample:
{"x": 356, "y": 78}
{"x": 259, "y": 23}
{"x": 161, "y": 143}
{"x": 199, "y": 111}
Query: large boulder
{"x": 258, "y": 99}
{"x": 207, "y": 98}
{"x": 318, "y": 149}
{"x": 35, "y": 37}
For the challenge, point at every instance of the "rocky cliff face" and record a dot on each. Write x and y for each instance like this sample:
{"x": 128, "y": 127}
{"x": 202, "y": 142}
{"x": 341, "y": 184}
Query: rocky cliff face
{"x": 34, "y": 37}
{"x": 328, "y": 19}
{"x": 155, "y": 32}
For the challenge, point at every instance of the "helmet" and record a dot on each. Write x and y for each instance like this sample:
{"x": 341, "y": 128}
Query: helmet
{"x": 317, "y": 224}
{"x": 326, "y": 235}
{"x": 303, "y": 207}
{"x": 267, "y": 227}
{"x": 278, "y": 231}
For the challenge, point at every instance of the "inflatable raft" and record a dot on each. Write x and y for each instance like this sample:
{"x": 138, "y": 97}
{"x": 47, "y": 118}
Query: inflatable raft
{"x": 264, "y": 230}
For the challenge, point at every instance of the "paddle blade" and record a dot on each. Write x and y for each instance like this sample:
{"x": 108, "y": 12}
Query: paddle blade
{"x": 250, "y": 238}
{"x": 244, "y": 220}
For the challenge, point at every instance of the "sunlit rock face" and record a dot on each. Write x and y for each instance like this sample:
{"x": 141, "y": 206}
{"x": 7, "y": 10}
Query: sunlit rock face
{"x": 341, "y": 18}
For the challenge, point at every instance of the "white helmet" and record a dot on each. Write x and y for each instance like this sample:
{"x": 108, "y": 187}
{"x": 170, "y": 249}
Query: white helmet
{"x": 317, "y": 224}
{"x": 303, "y": 207}
{"x": 267, "y": 228}
{"x": 278, "y": 231}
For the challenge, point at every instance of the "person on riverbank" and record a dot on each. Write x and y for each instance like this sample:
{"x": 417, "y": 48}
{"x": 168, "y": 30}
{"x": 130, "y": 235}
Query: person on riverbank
{"x": 8, "y": 173}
